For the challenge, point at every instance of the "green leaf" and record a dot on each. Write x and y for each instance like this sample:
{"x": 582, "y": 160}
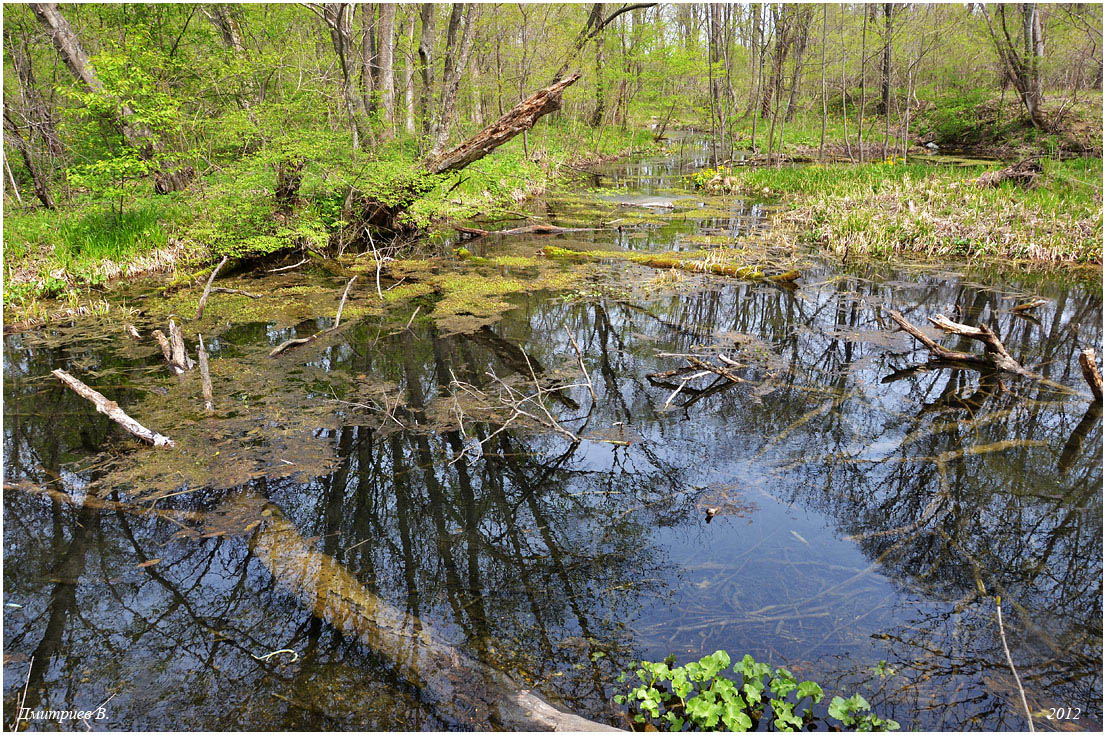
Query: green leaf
{"x": 810, "y": 689}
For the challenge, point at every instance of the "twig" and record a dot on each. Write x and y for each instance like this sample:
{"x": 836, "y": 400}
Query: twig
{"x": 1010, "y": 660}
{"x": 112, "y": 411}
{"x": 342, "y": 304}
{"x": 580, "y": 359}
{"x": 289, "y": 344}
{"x": 207, "y": 288}
{"x": 240, "y": 292}
{"x": 205, "y": 377}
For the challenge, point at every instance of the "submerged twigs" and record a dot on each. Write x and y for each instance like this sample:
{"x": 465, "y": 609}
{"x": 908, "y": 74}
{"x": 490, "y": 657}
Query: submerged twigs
{"x": 112, "y": 411}
{"x": 698, "y": 366}
{"x": 1091, "y": 374}
{"x": 205, "y": 377}
{"x": 207, "y": 288}
{"x": 240, "y": 292}
{"x": 289, "y": 344}
{"x": 1010, "y": 660}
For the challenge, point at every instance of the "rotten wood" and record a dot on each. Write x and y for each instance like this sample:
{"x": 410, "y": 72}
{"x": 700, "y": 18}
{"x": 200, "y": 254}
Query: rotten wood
{"x": 205, "y": 376}
{"x": 207, "y": 288}
{"x": 515, "y": 121}
{"x": 289, "y": 344}
{"x": 1090, "y": 372}
{"x": 167, "y": 352}
{"x": 1023, "y": 173}
{"x": 1030, "y": 306}
{"x": 180, "y": 355}
{"x": 111, "y": 409}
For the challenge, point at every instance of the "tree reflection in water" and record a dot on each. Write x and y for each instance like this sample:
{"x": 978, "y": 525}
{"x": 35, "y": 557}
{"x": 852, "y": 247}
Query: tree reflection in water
{"x": 876, "y": 520}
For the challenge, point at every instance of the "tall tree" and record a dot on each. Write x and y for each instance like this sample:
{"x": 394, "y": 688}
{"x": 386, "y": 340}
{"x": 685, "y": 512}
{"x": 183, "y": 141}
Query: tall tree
{"x": 168, "y": 177}
{"x": 338, "y": 18}
{"x": 426, "y": 63}
{"x": 386, "y": 71}
{"x": 458, "y": 48}
{"x": 1021, "y": 61}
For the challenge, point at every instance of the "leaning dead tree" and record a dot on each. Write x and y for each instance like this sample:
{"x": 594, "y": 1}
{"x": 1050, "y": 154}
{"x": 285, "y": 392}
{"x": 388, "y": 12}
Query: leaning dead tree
{"x": 515, "y": 121}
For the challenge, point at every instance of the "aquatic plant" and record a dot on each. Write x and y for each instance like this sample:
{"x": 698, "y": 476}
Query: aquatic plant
{"x": 698, "y": 697}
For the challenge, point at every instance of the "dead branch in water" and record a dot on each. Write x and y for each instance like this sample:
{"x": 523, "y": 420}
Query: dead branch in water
{"x": 1090, "y": 372}
{"x": 167, "y": 351}
{"x": 289, "y": 344}
{"x": 112, "y": 411}
{"x": 180, "y": 355}
{"x": 205, "y": 377}
{"x": 207, "y": 288}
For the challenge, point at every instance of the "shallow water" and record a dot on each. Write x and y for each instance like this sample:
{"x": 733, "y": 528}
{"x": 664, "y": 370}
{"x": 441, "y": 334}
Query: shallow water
{"x": 869, "y": 513}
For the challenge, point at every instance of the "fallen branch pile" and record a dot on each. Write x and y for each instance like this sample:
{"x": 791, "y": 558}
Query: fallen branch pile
{"x": 698, "y": 366}
{"x": 995, "y": 356}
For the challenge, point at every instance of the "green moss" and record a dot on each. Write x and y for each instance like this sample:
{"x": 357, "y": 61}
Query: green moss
{"x": 406, "y": 291}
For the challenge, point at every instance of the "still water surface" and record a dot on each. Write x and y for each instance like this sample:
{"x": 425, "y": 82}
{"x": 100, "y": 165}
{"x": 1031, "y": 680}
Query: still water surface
{"x": 868, "y": 512}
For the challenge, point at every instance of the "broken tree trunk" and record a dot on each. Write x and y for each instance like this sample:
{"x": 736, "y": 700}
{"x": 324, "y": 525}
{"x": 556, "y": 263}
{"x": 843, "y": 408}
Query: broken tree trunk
{"x": 1090, "y": 372}
{"x": 167, "y": 352}
{"x": 112, "y": 411}
{"x": 518, "y": 119}
{"x": 180, "y": 355}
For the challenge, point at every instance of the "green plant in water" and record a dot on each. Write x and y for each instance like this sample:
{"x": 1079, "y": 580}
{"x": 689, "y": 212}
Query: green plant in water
{"x": 698, "y": 697}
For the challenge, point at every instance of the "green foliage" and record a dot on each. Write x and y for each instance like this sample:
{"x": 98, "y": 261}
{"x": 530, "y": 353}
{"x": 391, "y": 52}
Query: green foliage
{"x": 698, "y": 697}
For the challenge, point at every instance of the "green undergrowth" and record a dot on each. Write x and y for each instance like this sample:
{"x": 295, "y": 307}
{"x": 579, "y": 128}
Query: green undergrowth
{"x": 71, "y": 252}
{"x": 919, "y": 208}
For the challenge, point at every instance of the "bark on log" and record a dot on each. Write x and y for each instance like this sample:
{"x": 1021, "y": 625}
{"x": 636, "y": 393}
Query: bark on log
{"x": 1090, "y": 372}
{"x": 112, "y": 411}
{"x": 207, "y": 288}
{"x": 518, "y": 119}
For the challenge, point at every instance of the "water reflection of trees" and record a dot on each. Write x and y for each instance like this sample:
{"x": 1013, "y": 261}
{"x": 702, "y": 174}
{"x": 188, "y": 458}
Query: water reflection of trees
{"x": 535, "y": 554}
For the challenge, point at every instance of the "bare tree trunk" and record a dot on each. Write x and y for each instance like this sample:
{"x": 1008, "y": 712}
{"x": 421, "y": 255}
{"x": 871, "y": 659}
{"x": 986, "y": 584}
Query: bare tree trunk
{"x": 806, "y": 13}
{"x": 387, "y": 72}
{"x": 885, "y": 61}
{"x": 409, "y": 76}
{"x": 457, "y": 52}
{"x": 1022, "y": 67}
{"x": 426, "y": 63}
{"x": 825, "y": 107}
{"x": 600, "y": 88}
{"x": 38, "y": 179}
{"x": 368, "y": 55}
{"x": 863, "y": 88}
{"x": 225, "y": 20}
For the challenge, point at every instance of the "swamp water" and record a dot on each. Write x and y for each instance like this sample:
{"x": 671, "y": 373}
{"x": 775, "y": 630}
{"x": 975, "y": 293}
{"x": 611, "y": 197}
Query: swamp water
{"x": 867, "y": 512}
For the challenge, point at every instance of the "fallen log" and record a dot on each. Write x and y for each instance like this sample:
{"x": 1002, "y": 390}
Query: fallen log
{"x": 420, "y": 654}
{"x": 1030, "y": 306}
{"x": 527, "y": 230}
{"x": 1090, "y": 372}
{"x": 518, "y": 119}
{"x": 112, "y": 411}
{"x": 1022, "y": 173}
